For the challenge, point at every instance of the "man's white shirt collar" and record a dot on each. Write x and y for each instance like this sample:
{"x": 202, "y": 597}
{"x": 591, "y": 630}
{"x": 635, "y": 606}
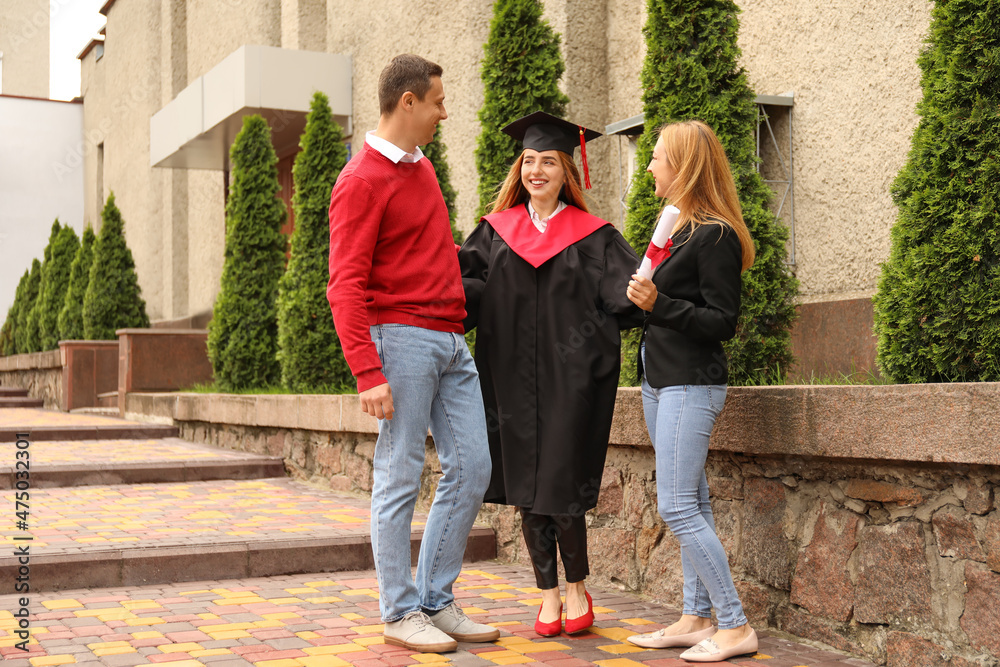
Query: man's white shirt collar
{"x": 391, "y": 150}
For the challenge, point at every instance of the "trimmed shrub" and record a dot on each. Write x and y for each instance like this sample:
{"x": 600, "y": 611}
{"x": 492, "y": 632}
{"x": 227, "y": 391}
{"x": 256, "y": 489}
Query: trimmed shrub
{"x": 243, "y": 333}
{"x": 937, "y": 309}
{"x": 308, "y": 347}
{"x": 32, "y": 335}
{"x": 71, "y": 316}
{"x": 437, "y": 153}
{"x": 520, "y": 72}
{"x": 28, "y": 298}
{"x": 692, "y": 71}
{"x": 55, "y": 281}
{"x": 7, "y": 343}
{"x": 113, "y": 299}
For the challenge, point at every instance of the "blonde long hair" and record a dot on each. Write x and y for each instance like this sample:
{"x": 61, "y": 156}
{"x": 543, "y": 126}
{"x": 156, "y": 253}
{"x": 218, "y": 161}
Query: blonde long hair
{"x": 512, "y": 192}
{"x": 703, "y": 189}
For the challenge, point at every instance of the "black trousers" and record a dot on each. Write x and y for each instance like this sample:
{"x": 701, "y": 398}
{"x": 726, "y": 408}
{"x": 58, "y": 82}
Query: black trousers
{"x": 542, "y": 533}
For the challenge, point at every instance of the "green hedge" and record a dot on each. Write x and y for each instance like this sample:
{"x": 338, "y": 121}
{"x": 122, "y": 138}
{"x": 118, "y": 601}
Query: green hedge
{"x": 937, "y": 309}
{"x": 308, "y": 347}
{"x": 71, "y": 316}
{"x": 520, "y": 72}
{"x": 32, "y": 331}
{"x": 113, "y": 299}
{"x": 8, "y": 346}
{"x": 55, "y": 281}
{"x": 27, "y": 302}
{"x": 437, "y": 153}
{"x": 243, "y": 333}
{"x": 692, "y": 71}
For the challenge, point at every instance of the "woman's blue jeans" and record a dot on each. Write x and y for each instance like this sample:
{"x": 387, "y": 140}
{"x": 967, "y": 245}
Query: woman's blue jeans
{"x": 680, "y": 420}
{"x": 434, "y": 384}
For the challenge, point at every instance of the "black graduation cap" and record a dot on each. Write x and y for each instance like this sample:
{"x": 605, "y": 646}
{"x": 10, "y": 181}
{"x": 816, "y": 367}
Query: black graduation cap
{"x": 542, "y": 131}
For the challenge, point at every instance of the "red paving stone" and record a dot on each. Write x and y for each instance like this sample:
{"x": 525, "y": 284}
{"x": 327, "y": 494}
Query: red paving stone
{"x": 297, "y": 619}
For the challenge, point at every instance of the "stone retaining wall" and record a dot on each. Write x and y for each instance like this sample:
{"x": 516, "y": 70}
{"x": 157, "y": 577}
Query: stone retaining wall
{"x": 40, "y": 373}
{"x": 863, "y": 517}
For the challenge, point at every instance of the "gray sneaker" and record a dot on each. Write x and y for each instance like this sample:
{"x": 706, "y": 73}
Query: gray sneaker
{"x": 453, "y": 622}
{"x": 416, "y": 632}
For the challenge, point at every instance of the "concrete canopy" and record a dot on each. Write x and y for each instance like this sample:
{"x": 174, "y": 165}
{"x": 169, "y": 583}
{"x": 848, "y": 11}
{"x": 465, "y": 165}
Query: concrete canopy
{"x": 196, "y": 129}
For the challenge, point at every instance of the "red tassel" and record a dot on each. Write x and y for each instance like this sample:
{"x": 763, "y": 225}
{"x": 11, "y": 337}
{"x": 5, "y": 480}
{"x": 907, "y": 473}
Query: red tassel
{"x": 583, "y": 156}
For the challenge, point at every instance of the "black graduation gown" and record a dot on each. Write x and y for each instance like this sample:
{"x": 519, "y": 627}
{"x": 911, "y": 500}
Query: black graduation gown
{"x": 548, "y": 309}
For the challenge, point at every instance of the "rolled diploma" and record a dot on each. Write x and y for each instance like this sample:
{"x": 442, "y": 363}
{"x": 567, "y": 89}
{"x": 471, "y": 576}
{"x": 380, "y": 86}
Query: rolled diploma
{"x": 664, "y": 226}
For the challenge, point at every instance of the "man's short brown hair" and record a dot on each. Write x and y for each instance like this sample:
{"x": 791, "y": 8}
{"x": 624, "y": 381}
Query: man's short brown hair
{"x": 406, "y": 72}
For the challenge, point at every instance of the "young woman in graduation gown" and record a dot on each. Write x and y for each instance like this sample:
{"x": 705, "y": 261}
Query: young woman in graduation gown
{"x": 545, "y": 286}
{"x": 692, "y": 305}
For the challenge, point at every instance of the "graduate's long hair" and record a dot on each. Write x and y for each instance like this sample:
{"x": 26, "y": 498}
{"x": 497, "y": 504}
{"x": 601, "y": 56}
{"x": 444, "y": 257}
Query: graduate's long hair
{"x": 703, "y": 189}
{"x": 513, "y": 193}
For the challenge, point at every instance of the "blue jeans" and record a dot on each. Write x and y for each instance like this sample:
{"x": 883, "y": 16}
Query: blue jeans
{"x": 434, "y": 384}
{"x": 680, "y": 420}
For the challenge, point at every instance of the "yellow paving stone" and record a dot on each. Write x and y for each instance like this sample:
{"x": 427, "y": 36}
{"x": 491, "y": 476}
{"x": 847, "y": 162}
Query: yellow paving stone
{"x": 278, "y": 615}
{"x": 183, "y": 647}
{"x": 351, "y": 616}
{"x": 603, "y": 610}
{"x": 502, "y": 623}
{"x": 480, "y": 573}
{"x": 540, "y": 647}
{"x": 369, "y": 641}
{"x": 206, "y": 652}
{"x": 149, "y": 634}
{"x": 115, "y": 650}
{"x": 141, "y": 604}
{"x": 618, "y": 649}
{"x": 90, "y": 539}
{"x": 61, "y": 604}
{"x": 208, "y": 617}
{"x": 307, "y": 635}
{"x": 531, "y": 602}
{"x": 268, "y": 624}
{"x": 430, "y": 658}
{"x": 326, "y": 600}
{"x": 532, "y": 589}
{"x": 500, "y": 654}
{"x": 618, "y": 662}
{"x": 322, "y": 661}
{"x": 298, "y": 591}
{"x": 368, "y": 629}
{"x": 114, "y": 614}
{"x": 321, "y": 584}
{"x": 240, "y": 532}
{"x": 333, "y": 649}
{"x": 286, "y": 662}
{"x": 507, "y": 641}
{"x": 518, "y": 660}
{"x": 145, "y": 620}
{"x": 498, "y": 596}
{"x": 346, "y": 519}
{"x": 100, "y": 645}
{"x": 49, "y": 660}
{"x": 763, "y": 656}
{"x": 228, "y": 634}
{"x": 283, "y": 601}
{"x": 474, "y": 610}
{"x": 232, "y": 602}
{"x": 636, "y": 621}
{"x": 501, "y": 587}
{"x": 617, "y": 634}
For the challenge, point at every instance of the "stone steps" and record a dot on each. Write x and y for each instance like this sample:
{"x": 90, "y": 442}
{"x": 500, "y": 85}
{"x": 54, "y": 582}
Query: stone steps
{"x": 20, "y": 402}
{"x": 12, "y": 392}
{"x": 54, "y": 425}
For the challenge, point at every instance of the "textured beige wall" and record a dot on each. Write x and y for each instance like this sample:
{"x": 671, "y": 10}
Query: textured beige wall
{"x": 851, "y": 65}
{"x": 24, "y": 42}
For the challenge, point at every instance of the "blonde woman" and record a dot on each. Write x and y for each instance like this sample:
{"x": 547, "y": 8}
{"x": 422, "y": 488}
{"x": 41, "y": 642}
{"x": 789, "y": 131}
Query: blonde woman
{"x": 545, "y": 283}
{"x": 692, "y": 304}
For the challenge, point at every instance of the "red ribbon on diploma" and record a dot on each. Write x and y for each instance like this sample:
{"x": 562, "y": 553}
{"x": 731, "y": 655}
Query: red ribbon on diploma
{"x": 657, "y": 254}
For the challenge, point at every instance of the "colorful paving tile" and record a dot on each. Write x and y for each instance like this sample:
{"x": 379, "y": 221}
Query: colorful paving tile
{"x": 82, "y": 518}
{"x": 111, "y": 452}
{"x": 314, "y": 620}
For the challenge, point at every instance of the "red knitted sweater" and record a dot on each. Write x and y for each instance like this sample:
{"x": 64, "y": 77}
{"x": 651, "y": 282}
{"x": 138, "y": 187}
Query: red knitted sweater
{"x": 392, "y": 257}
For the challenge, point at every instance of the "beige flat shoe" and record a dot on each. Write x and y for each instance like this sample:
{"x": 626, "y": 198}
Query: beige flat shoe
{"x": 659, "y": 640}
{"x": 708, "y": 651}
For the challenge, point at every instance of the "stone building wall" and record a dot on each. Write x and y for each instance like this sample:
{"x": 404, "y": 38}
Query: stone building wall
{"x": 865, "y": 518}
{"x": 40, "y": 373}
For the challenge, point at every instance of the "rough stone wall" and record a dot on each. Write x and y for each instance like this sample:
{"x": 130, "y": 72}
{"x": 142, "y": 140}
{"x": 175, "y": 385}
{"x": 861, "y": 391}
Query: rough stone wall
{"x": 40, "y": 373}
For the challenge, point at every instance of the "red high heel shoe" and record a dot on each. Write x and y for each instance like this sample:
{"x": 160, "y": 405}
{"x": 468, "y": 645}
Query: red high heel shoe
{"x": 548, "y": 629}
{"x": 581, "y": 623}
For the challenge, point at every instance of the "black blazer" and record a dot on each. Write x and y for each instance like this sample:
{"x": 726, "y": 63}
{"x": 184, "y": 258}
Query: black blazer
{"x": 696, "y": 309}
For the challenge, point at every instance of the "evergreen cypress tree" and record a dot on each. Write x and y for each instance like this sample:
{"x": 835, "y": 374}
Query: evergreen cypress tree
{"x": 692, "y": 71}
{"x": 71, "y": 316}
{"x": 28, "y": 299}
{"x": 55, "y": 281}
{"x": 437, "y": 153}
{"x": 308, "y": 346}
{"x": 8, "y": 346}
{"x": 113, "y": 299}
{"x": 32, "y": 334}
{"x": 520, "y": 72}
{"x": 937, "y": 310}
{"x": 243, "y": 333}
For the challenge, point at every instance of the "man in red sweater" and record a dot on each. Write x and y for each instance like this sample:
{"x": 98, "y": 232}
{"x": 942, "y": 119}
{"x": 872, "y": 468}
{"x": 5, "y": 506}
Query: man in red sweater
{"x": 396, "y": 294}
